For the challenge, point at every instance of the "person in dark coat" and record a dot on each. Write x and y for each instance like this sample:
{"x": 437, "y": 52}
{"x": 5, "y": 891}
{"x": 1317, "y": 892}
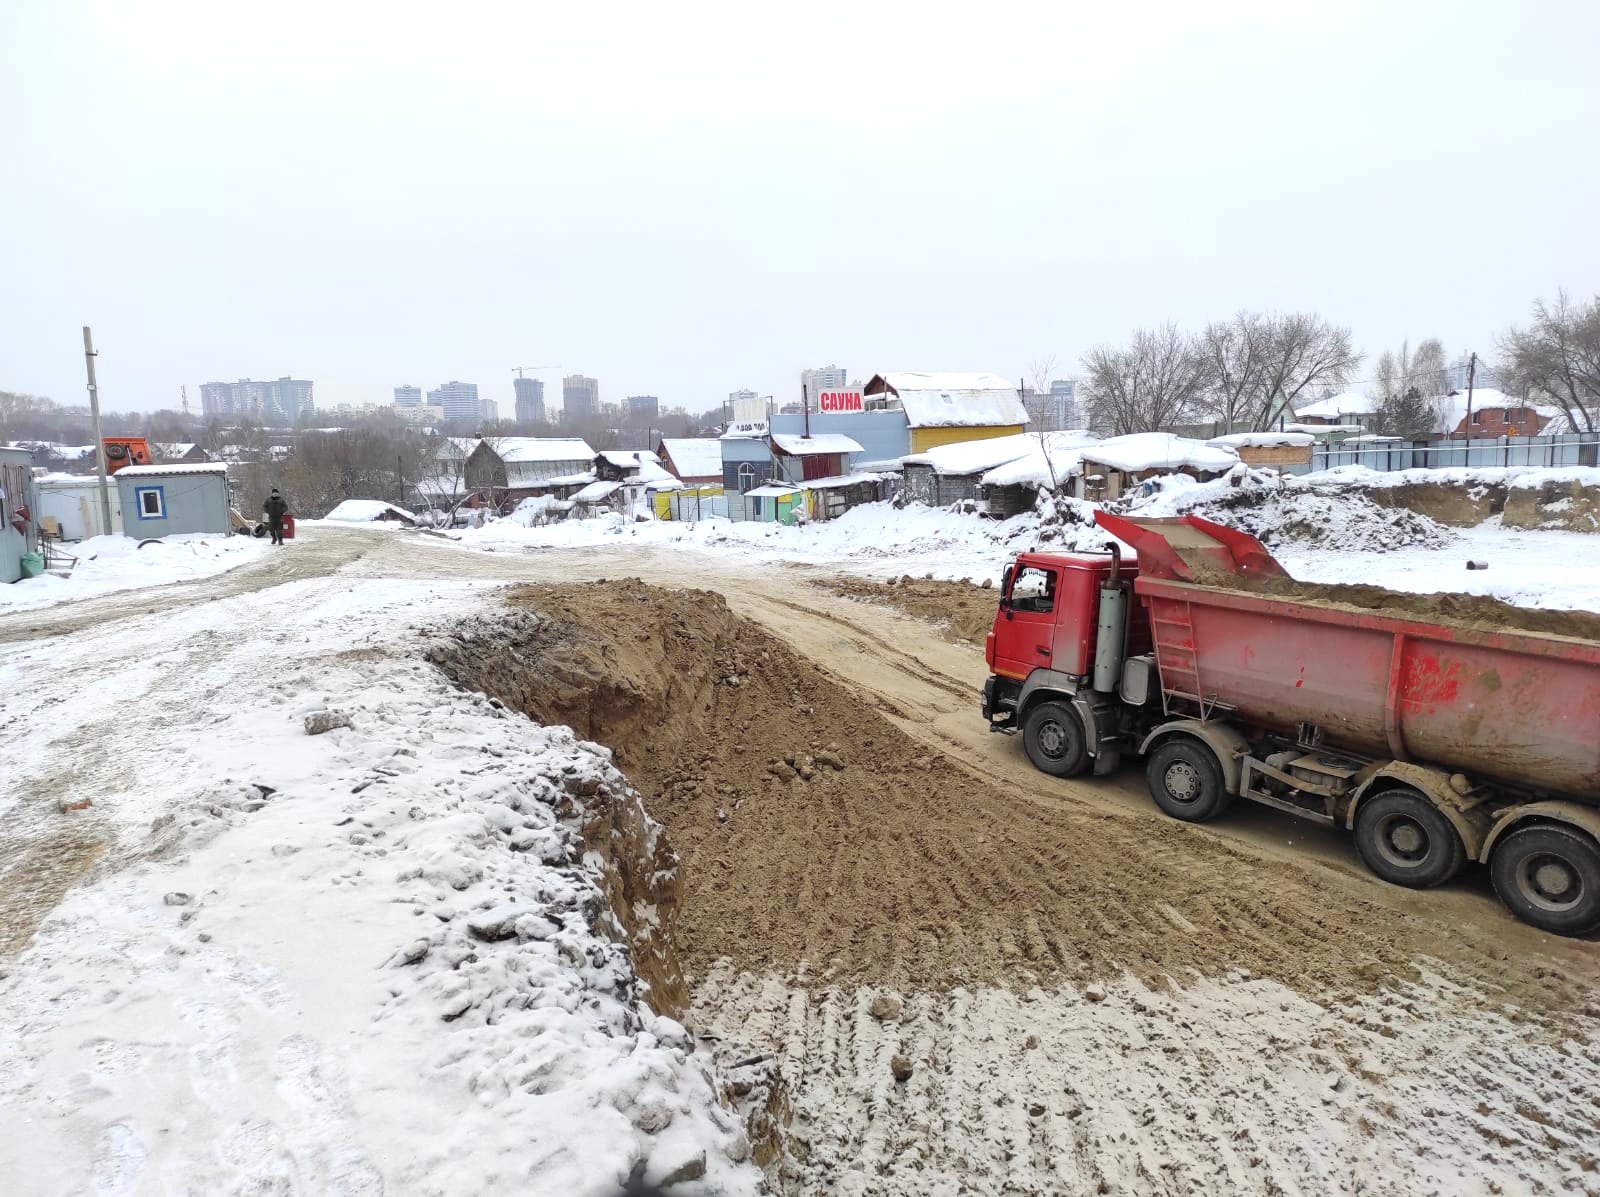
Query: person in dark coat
{"x": 275, "y": 509}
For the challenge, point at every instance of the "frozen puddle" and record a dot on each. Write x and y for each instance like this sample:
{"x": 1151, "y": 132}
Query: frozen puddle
{"x": 1227, "y": 1086}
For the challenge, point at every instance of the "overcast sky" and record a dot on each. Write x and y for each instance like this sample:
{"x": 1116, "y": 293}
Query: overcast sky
{"x": 685, "y": 199}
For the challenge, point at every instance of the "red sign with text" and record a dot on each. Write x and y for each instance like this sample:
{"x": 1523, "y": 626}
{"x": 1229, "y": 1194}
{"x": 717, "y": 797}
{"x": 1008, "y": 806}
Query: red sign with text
{"x": 836, "y": 401}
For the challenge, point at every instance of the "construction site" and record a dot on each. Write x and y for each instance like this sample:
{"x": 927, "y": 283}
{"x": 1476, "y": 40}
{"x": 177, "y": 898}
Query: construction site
{"x": 905, "y": 959}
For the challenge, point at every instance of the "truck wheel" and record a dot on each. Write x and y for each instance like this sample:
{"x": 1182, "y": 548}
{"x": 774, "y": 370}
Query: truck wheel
{"x": 1186, "y": 781}
{"x": 1054, "y": 740}
{"x": 1403, "y": 838}
{"x": 1549, "y": 875}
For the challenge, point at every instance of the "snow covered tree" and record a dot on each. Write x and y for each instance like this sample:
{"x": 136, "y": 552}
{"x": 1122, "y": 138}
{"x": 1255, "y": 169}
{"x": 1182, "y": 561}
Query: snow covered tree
{"x": 1159, "y": 379}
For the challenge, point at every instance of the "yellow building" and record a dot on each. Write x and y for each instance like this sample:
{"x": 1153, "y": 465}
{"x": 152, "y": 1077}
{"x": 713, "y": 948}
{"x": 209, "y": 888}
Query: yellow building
{"x": 944, "y": 409}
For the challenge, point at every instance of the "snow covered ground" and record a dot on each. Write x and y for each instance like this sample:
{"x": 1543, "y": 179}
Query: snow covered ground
{"x": 365, "y": 960}
{"x": 110, "y": 563}
{"x": 1318, "y": 537}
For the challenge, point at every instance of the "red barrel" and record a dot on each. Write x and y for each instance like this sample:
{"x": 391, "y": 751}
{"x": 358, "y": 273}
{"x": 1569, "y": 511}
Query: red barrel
{"x": 288, "y": 525}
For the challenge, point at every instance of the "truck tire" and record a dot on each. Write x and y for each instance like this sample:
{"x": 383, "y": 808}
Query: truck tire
{"x": 1053, "y": 737}
{"x": 1406, "y": 840}
{"x": 1549, "y": 875}
{"x": 1186, "y": 781}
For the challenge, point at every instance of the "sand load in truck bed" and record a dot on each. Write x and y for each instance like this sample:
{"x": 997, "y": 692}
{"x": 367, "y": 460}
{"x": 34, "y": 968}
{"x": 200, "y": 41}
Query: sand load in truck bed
{"x": 1479, "y": 613}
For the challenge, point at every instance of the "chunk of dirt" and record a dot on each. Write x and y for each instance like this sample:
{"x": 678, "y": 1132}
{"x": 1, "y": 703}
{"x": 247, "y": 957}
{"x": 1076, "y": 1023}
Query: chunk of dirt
{"x": 960, "y": 609}
{"x": 887, "y": 873}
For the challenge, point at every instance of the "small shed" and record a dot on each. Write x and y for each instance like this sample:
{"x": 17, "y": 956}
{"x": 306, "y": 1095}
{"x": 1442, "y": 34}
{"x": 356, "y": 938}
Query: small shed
{"x": 171, "y": 500}
{"x": 371, "y": 511}
{"x": 69, "y": 506}
{"x": 1113, "y": 467}
{"x": 1273, "y": 450}
{"x": 946, "y": 408}
{"x": 19, "y": 524}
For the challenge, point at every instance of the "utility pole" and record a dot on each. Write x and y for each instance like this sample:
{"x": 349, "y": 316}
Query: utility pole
{"x": 805, "y": 411}
{"x": 400, "y": 479}
{"x": 99, "y": 444}
{"x": 1472, "y": 370}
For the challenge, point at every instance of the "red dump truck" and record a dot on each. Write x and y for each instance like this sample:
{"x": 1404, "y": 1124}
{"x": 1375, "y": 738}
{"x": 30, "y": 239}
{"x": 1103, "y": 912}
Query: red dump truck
{"x": 1435, "y": 742}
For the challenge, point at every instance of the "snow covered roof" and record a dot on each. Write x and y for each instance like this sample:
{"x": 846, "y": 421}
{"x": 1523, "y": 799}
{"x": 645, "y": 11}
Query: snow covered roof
{"x": 456, "y": 447}
{"x": 1347, "y": 403}
{"x": 694, "y": 456}
{"x": 1159, "y": 450}
{"x": 838, "y": 481}
{"x": 596, "y": 491}
{"x": 541, "y": 448}
{"x": 180, "y": 450}
{"x": 1263, "y": 440}
{"x": 772, "y": 491}
{"x": 1316, "y": 430}
{"x": 957, "y": 400}
{"x": 974, "y": 457}
{"x": 365, "y": 511}
{"x": 892, "y": 466}
{"x": 824, "y": 442}
{"x": 177, "y": 467}
{"x": 628, "y": 459}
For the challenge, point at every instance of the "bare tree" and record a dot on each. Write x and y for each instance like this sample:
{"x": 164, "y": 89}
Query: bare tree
{"x": 1300, "y": 351}
{"x": 1236, "y": 351}
{"x": 1158, "y": 380}
{"x": 1411, "y": 390}
{"x": 1557, "y": 358}
{"x": 1036, "y": 395}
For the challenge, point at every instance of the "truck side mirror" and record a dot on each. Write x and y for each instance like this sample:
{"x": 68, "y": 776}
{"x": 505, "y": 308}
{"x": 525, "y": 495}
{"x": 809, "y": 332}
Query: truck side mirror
{"x": 1005, "y": 584}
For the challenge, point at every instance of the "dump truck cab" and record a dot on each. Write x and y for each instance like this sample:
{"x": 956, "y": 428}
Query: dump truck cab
{"x": 1065, "y": 626}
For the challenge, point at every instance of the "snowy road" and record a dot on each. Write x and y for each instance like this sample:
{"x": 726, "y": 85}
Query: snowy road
{"x": 1479, "y": 1072}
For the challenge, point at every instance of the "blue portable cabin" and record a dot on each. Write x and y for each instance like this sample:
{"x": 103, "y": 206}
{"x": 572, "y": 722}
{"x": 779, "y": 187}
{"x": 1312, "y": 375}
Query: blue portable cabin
{"x": 171, "y": 500}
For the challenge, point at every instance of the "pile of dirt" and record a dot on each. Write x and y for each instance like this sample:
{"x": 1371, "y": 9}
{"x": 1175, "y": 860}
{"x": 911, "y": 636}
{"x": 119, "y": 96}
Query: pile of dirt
{"x": 1476, "y": 612}
{"x": 964, "y": 612}
{"x": 821, "y": 842}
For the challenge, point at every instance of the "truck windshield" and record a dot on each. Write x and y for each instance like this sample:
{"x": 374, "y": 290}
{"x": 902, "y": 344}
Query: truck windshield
{"x": 1034, "y": 589}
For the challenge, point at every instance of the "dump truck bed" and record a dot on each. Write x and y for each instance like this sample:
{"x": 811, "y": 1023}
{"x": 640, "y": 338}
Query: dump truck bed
{"x": 1517, "y": 706}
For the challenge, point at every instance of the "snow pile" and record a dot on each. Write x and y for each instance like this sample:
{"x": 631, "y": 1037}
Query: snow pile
{"x": 1282, "y": 510}
{"x": 366, "y": 511}
{"x": 375, "y": 958}
{"x": 111, "y": 563}
{"x": 1513, "y": 477}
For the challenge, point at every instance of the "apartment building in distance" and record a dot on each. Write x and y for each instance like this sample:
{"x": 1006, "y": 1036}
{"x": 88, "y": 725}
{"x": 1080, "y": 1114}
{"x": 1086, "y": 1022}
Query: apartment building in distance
{"x": 408, "y": 396}
{"x": 529, "y": 400}
{"x": 283, "y": 398}
{"x": 580, "y": 397}
{"x": 458, "y": 400}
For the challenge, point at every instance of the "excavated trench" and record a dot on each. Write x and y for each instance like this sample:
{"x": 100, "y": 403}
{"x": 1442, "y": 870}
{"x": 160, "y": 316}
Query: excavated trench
{"x": 819, "y": 841}
{"x": 831, "y": 900}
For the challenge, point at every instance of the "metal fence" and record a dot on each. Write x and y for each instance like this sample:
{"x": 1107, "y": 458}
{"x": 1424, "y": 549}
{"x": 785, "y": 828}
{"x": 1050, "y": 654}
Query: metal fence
{"x": 1581, "y": 449}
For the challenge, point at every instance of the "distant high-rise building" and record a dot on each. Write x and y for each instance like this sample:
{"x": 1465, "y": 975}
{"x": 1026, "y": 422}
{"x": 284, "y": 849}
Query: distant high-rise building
{"x": 285, "y": 398}
{"x": 580, "y": 396}
{"x": 458, "y": 400}
{"x": 408, "y": 396}
{"x": 1062, "y": 409}
{"x": 530, "y": 400}
{"x": 827, "y": 378}
{"x": 643, "y": 407}
{"x": 1455, "y": 376}
{"x": 216, "y": 399}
